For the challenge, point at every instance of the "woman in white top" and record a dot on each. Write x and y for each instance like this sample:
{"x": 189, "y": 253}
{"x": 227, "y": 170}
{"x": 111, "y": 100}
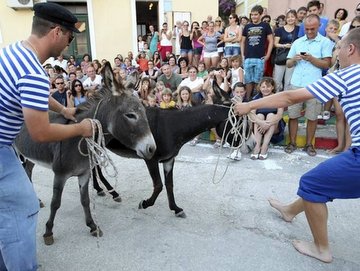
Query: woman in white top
{"x": 195, "y": 84}
{"x": 232, "y": 37}
{"x": 165, "y": 41}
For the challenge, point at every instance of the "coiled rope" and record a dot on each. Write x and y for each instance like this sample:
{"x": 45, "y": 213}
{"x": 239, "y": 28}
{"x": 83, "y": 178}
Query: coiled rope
{"x": 240, "y": 132}
{"x": 98, "y": 157}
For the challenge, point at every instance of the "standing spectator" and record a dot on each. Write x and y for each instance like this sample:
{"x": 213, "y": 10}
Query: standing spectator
{"x": 309, "y": 54}
{"x": 86, "y": 61}
{"x": 232, "y": 37}
{"x": 194, "y": 36}
{"x": 165, "y": 41}
{"x": 153, "y": 39}
{"x": 140, "y": 44}
{"x": 219, "y": 28}
{"x": 171, "y": 80}
{"x": 284, "y": 37}
{"x": 186, "y": 49}
{"x": 209, "y": 40}
{"x": 93, "y": 80}
{"x": 341, "y": 15}
{"x": 254, "y": 37}
{"x": 60, "y": 61}
{"x": 314, "y": 7}
{"x": 301, "y": 14}
{"x": 244, "y": 21}
{"x": 176, "y": 37}
{"x": 346, "y": 26}
{"x": 237, "y": 73}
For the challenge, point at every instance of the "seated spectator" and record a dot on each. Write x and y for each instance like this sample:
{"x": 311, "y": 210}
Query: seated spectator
{"x": 159, "y": 87}
{"x": 97, "y": 66}
{"x": 202, "y": 72}
{"x": 59, "y": 93}
{"x": 86, "y": 61}
{"x": 195, "y": 84}
{"x": 144, "y": 90}
{"x": 184, "y": 98}
{"x": 129, "y": 68}
{"x": 80, "y": 75}
{"x": 267, "y": 121}
{"x": 171, "y": 80}
{"x": 142, "y": 61}
{"x": 60, "y": 61}
{"x": 183, "y": 67}
{"x": 167, "y": 101}
{"x": 151, "y": 100}
{"x": 151, "y": 73}
{"x": 157, "y": 60}
{"x": 76, "y": 94}
{"x": 172, "y": 62}
{"x": 93, "y": 81}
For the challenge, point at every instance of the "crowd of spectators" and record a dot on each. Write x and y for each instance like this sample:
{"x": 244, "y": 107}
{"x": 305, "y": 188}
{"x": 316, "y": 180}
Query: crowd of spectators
{"x": 254, "y": 56}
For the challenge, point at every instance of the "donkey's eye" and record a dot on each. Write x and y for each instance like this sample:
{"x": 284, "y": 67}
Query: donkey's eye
{"x": 131, "y": 116}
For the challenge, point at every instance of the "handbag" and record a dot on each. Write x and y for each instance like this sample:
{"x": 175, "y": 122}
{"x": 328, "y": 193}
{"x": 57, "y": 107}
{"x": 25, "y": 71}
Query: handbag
{"x": 281, "y": 55}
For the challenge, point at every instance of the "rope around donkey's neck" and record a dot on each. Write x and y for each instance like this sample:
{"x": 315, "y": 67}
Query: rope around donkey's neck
{"x": 98, "y": 157}
{"x": 240, "y": 131}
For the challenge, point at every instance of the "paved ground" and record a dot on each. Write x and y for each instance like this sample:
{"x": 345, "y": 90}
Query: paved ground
{"x": 229, "y": 225}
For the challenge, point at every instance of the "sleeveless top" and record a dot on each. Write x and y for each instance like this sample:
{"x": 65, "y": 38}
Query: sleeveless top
{"x": 233, "y": 34}
{"x": 185, "y": 42}
{"x": 164, "y": 40}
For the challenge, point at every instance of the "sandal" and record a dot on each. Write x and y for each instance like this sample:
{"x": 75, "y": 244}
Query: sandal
{"x": 217, "y": 144}
{"x": 263, "y": 156}
{"x": 194, "y": 142}
{"x": 254, "y": 156}
{"x": 290, "y": 148}
{"x": 309, "y": 149}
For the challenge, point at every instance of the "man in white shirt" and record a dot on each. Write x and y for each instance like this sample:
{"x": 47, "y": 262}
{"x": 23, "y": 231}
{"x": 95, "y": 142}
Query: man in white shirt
{"x": 93, "y": 81}
{"x": 60, "y": 61}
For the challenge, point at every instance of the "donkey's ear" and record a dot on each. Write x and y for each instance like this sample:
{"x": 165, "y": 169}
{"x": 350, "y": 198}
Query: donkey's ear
{"x": 221, "y": 97}
{"x": 110, "y": 81}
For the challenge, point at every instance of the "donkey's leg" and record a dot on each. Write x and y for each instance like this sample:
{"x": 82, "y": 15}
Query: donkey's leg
{"x": 110, "y": 189}
{"x": 153, "y": 167}
{"x": 85, "y": 202}
{"x": 58, "y": 187}
{"x": 169, "y": 184}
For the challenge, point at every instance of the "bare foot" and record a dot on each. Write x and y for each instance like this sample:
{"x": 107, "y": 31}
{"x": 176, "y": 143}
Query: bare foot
{"x": 282, "y": 209}
{"x": 309, "y": 249}
{"x": 335, "y": 150}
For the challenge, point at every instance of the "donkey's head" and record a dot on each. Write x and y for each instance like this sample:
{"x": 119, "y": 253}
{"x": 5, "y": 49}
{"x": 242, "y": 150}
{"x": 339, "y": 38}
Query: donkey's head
{"x": 123, "y": 116}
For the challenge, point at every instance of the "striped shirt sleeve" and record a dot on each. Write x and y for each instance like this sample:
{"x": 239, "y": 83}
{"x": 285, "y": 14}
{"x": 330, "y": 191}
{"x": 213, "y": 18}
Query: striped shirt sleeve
{"x": 328, "y": 87}
{"x": 34, "y": 91}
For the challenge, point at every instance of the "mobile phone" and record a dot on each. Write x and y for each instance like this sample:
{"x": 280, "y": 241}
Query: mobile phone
{"x": 302, "y": 53}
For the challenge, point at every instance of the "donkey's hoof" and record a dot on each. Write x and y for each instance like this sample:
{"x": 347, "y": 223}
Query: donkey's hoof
{"x": 41, "y": 204}
{"x": 48, "y": 240}
{"x": 101, "y": 193}
{"x": 117, "y": 199}
{"x": 141, "y": 204}
{"x": 97, "y": 232}
{"x": 181, "y": 214}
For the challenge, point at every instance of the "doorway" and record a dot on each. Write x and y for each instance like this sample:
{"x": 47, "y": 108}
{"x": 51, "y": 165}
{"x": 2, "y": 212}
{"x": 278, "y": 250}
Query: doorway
{"x": 147, "y": 13}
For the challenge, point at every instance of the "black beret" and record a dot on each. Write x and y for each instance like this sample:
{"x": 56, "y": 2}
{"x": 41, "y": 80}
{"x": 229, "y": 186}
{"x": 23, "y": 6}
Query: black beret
{"x": 57, "y": 14}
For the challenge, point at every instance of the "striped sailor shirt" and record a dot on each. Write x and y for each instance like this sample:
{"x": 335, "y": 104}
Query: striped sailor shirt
{"x": 344, "y": 84}
{"x": 23, "y": 83}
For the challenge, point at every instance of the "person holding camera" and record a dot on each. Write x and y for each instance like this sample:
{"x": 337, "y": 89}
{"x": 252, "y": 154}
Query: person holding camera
{"x": 309, "y": 55}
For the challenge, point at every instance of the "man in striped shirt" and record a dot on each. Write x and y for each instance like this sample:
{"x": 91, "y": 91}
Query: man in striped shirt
{"x": 24, "y": 97}
{"x": 339, "y": 176}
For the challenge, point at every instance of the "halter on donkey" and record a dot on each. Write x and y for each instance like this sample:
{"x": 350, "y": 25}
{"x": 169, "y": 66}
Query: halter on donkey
{"x": 122, "y": 117}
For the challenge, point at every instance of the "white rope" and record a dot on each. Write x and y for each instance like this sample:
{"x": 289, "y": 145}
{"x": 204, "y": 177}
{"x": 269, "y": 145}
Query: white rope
{"x": 240, "y": 132}
{"x": 98, "y": 156}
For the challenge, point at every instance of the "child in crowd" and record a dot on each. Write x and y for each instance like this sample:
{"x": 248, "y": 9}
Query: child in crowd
{"x": 184, "y": 98}
{"x": 140, "y": 43}
{"x": 159, "y": 87}
{"x": 267, "y": 122}
{"x": 167, "y": 101}
{"x": 142, "y": 61}
{"x": 144, "y": 90}
{"x": 202, "y": 72}
{"x": 147, "y": 51}
{"x": 237, "y": 73}
{"x": 151, "y": 100}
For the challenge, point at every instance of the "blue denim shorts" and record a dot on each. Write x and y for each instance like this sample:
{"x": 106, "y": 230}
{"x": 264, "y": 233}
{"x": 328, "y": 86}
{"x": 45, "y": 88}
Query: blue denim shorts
{"x": 254, "y": 70}
{"x": 335, "y": 178}
{"x": 19, "y": 207}
{"x": 186, "y": 51}
{"x": 231, "y": 51}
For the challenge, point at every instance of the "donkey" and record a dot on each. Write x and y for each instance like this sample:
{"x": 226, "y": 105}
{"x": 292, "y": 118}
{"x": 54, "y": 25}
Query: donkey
{"x": 122, "y": 117}
{"x": 171, "y": 130}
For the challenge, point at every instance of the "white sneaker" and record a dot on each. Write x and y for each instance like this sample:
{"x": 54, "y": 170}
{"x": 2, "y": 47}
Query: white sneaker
{"x": 320, "y": 117}
{"x": 235, "y": 155}
{"x": 326, "y": 115}
{"x": 226, "y": 145}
